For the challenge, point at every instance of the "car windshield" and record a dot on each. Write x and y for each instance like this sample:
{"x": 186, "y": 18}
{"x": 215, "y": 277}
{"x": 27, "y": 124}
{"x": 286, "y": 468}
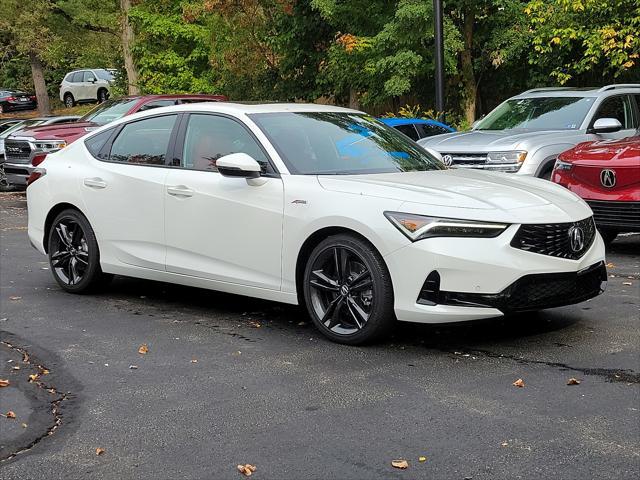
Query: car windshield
{"x": 109, "y": 111}
{"x": 20, "y": 126}
{"x": 335, "y": 143}
{"x": 104, "y": 74}
{"x": 540, "y": 113}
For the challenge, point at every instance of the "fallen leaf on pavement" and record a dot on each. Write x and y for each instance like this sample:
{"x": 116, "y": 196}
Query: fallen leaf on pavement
{"x": 4, "y": 383}
{"x": 254, "y": 324}
{"x": 505, "y": 444}
{"x": 401, "y": 464}
{"x": 627, "y": 283}
{"x": 33, "y": 377}
{"x": 247, "y": 469}
{"x": 16, "y": 367}
{"x": 45, "y": 371}
{"x": 24, "y": 425}
{"x": 194, "y": 361}
{"x": 143, "y": 349}
{"x": 422, "y": 459}
{"x": 610, "y": 265}
{"x": 99, "y": 451}
{"x": 15, "y": 298}
{"x": 10, "y": 414}
{"x": 518, "y": 383}
{"x": 133, "y": 367}
{"x": 573, "y": 381}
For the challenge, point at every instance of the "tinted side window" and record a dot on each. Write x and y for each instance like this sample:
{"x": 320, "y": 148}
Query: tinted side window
{"x": 209, "y": 137}
{"x": 616, "y": 107}
{"x": 156, "y": 104}
{"x": 143, "y": 142}
{"x": 408, "y": 130}
{"x": 89, "y": 76}
{"x": 94, "y": 144}
{"x": 427, "y": 130}
{"x": 77, "y": 77}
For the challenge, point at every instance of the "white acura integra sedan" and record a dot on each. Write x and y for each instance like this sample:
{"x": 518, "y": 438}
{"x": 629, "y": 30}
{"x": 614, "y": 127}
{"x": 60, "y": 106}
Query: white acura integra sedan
{"x": 316, "y": 205}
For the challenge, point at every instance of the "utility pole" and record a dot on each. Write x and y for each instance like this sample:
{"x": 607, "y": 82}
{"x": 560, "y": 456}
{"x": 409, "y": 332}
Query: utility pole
{"x": 439, "y": 57}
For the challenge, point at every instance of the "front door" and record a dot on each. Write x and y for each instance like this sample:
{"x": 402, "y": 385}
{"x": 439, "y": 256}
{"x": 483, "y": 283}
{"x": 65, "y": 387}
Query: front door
{"x": 123, "y": 190}
{"x": 217, "y": 227}
{"x": 619, "y": 107}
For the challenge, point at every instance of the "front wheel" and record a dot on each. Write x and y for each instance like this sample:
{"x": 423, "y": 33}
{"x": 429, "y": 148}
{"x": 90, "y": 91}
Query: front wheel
{"x": 73, "y": 253}
{"x": 102, "y": 95}
{"x": 69, "y": 101}
{"x": 348, "y": 291}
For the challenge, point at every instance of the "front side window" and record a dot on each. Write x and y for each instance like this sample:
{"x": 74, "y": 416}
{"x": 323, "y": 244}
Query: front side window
{"x": 89, "y": 76}
{"x": 408, "y": 130}
{"x": 144, "y": 142}
{"x": 109, "y": 111}
{"x": 617, "y": 107}
{"x": 337, "y": 143}
{"x": 209, "y": 137}
{"x": 539, "y": 113}
{"x": 104, "y": 75}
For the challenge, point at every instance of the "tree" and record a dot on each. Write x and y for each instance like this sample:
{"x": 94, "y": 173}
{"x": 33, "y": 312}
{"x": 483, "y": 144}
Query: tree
{"x": 576, "y": 37}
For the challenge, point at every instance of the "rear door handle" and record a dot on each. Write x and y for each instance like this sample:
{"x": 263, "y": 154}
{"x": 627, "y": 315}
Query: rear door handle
{"x": 95, "y": 182}
{"x": 180, "y": 191}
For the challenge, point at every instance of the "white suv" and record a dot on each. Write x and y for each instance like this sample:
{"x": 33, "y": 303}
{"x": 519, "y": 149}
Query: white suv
{"x": 90, "y": 85}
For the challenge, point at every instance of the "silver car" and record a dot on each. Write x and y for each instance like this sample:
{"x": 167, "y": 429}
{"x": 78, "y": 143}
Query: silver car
{"x": 526, "y": 133}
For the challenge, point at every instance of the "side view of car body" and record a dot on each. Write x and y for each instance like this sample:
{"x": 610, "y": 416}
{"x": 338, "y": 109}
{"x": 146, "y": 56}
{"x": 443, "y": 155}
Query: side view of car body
{"x": 37, "y": 140}
{"x": 417, "y": 128}
{"x": 15, "y": 100}
{"x": 526, "y": 133}
{"x": 314, "y": 205}
{"x": 606, "y": 174}
{"x": 88, "y": 85}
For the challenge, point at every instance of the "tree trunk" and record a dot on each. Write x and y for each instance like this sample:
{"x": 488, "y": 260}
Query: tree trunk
{"x": 127, "y": 37}
{"x": 40, "y": 85}
{"x": 466, "y": 63}
{"x": 353, "y": 99}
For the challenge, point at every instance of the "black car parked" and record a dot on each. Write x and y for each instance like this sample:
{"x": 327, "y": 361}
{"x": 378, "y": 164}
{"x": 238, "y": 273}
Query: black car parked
{"x": 11, "y": 100}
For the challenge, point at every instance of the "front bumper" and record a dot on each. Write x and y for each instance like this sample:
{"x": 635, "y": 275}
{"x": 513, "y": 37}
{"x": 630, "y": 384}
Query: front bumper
{"x": 486, "y": 276}
{"x": 17, "y": 173}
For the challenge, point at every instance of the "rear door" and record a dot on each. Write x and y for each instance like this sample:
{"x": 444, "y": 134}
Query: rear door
{"x": 123, "y": 189}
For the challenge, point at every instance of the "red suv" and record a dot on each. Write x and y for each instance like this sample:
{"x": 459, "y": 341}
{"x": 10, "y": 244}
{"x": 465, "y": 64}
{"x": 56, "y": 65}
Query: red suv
{"x": 606, "y": 174}
{"x": 34, "y": 143}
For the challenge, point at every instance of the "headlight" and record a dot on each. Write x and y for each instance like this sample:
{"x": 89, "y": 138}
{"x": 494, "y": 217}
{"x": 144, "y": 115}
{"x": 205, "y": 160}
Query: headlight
{"x": 506, "y": 157}
{"x": 50, "y": 145}
{"x": 564, "y": 166}
{"x": 417, "y": 227}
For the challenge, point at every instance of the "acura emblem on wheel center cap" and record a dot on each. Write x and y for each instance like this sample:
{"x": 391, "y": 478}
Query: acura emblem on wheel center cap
{"x": 576, "y": 238}
{"x": 608, "y": 178}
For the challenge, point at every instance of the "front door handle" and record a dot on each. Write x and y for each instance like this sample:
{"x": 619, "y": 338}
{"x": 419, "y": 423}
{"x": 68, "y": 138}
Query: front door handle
{"x": 95, "y": 182}
{"x": 180, "y": 191}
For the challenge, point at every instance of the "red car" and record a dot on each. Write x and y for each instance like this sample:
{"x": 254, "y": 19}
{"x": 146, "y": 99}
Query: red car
{"x": 606, "y": 174}
{"x": 34, "y": 143}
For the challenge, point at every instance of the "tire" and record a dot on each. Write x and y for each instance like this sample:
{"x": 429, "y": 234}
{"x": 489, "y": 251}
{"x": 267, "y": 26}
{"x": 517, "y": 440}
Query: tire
{"x": 74, "y": 256}
{"x": 1, "y": 109}
{"x": 546, "y": 174}
{"x": 103, "y": 94}
{"x": 608, "y": 236}
{"x": 347, "y": 290}
{"x": 69, "y": 101}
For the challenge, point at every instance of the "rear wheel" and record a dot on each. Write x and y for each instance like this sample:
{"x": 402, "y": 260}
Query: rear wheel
{"x": 73, "y": 253}
{"x": 608, "y": 236}
{"x": 102, "y": 95}
{"x": 348, "y": 291}
{"x": 69, "y": 101}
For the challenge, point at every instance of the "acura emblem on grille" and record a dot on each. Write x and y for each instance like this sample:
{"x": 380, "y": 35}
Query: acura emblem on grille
{"x": 608, "y": 178}
{"x": 447, "y": 160}
{"x": 576, "y": 238}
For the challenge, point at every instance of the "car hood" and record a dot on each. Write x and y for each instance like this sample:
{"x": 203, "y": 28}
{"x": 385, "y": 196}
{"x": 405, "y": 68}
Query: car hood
{"x": 61, "y": 131}
{"x": 606, "y": 153}
{"x": 489, "y": 141}
{"x": 469, "y": 194}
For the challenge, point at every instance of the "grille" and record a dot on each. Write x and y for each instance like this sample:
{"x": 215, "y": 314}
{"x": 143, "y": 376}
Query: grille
{"x": 531, "y": 292}
{"x": 622, "y": 215}
{"x": 554, "y": 239}
{"x": 468, "y": 159}
{"x": 17, "y": 151}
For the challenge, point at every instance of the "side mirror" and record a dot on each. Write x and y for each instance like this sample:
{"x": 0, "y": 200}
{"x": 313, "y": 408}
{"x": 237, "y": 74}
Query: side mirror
{"x": 606, "y": 125}
{"x": 238, "y": 165}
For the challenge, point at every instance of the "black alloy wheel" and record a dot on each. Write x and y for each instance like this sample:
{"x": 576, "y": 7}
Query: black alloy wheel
{"x": 348, "y": 291}
{"x": 73, "y": 253}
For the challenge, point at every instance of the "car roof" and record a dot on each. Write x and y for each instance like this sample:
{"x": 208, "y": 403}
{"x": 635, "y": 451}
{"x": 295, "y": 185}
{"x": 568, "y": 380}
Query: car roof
{"x": 580, "y": 91}
{"x": 244, "y": 108}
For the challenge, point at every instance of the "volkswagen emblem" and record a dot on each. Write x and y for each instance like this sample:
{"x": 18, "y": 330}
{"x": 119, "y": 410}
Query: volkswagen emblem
{"x": 447, "y": 160}
{"x": 576, "y": 238}
{"x": 608, "y": 178}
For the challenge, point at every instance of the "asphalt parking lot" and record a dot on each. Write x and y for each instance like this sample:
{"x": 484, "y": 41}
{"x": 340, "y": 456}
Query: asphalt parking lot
{"x": 229, "y": 380}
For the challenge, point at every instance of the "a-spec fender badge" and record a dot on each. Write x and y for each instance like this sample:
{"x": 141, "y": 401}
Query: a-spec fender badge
{"x": 299, "y": 202}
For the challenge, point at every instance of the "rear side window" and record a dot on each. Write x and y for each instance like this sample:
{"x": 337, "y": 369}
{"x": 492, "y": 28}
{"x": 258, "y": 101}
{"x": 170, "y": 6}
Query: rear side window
{"x": 427, "y": 130}
{"x": 77, "y": 77}
{"x": 94, "y": 144}
{"x": 408, "y": 130}
{"x": 144, "y": 142}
